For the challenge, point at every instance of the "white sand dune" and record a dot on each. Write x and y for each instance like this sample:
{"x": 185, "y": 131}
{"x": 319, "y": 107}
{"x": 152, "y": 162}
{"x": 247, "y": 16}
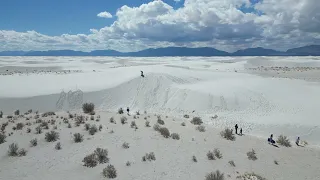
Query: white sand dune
{"x": 253, "y": 92}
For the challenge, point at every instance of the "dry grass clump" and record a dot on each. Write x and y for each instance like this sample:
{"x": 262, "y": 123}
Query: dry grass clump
{"x": 194, "y": 159}
{"x": 51, "y": 136}
{"x": 156, "y": 127}
{"x": 164, "y": 132}
{"x": 196, "y": 121}
{"x": 283, "y": 141}
{"x": 20, "y": 126}
{"x": 88, "y": 108}
{"x": 38, "y": 130}
{"x": 125, "y": 145}
{"x": 215, "y": 176}
{"x": 232, "y": 163}
{"x": 34, "y": 142}
{"x": 120, "y": 111}
{"x": 87, "y": 126}
{"x": 210, "y": 155}
{"x": 217, "y": 153}
{"x": 175, "y": 136}
{"x": 90, "y": 160}
{"x": 183, "y": 124}
{"x": 252, "y": 155}
{"x": 17, "y": 112}
{"x": 149, "y": 156}
{"x": 201, "y": 128}
{"x": 160, "y": 121}
{"x": 227, "y": 134}
{"x": 112, "y": 120}
{"x": 14, "y": 150}
{"x": 133, "y": 124}
{"x": 123, "y": 120}
{"x": 110, "y": 172}
{"x": 79, "y": 120}
{"x": 2, "y": 138}
{"x": 77, "y": 138}
{"x": 99, "y": 156}
{"x": 93, "y": 129}
{"x": 46, "y": 114}
{"x": 250, "y": 176}
{"x": 186, "y": 116}
{"x": 58, "y": 146}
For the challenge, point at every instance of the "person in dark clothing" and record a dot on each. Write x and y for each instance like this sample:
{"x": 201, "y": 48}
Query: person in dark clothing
{"x": 241, "y": 131}
{"x": 236, "y": 127}
{"x": 128, "y": 110}
{"x": 142, "y": 74}
{"x": 270, "y": 139}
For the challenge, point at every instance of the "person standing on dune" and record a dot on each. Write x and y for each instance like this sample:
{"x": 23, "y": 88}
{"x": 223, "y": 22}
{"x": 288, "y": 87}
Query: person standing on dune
{"x": 142, "y": 74}
{"x": 236, "y": 127}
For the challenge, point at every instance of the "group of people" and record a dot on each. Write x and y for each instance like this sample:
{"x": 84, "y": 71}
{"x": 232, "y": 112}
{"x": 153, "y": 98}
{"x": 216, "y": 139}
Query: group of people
{"x": 270, "y": 140}
{"x": 236, "y": 127}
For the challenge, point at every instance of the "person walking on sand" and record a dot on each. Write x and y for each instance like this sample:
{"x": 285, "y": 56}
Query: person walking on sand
{"x": 297, "y": 141}
{"x": 236, "y": 127}
{"x": 241, "y": 131}
{"x": 128, "y": 110}
{"x": 142, "y": 74}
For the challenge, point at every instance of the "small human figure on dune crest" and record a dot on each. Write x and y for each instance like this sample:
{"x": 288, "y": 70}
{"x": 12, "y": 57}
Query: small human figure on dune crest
{"x": 297, "y": 141}
{"x": 270, "y": 140}
{"x": 142, "y": 74}
{"x": 128, "y": 110}
{"x": 236, "y": 127}
{"x": 241, "y": 131}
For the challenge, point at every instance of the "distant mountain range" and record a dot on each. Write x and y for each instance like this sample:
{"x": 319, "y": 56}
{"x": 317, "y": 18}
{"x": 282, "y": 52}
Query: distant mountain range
{"x": 313, "y": 50}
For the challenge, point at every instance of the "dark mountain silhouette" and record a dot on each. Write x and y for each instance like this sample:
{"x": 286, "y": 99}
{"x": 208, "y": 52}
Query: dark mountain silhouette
{"x": 313, "y": 50}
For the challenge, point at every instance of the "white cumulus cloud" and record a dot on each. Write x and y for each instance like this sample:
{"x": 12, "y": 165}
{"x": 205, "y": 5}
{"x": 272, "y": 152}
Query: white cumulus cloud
{"x": 104, "y": 14}
{"x": 280, "y": 24}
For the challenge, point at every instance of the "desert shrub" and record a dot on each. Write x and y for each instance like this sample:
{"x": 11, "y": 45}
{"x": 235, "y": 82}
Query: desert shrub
{"x": 53, "y": 122}
{"x": 93, "y": 129}
{"x": 247, "y": 176}
{"x": 120, "y": 111}
{"x": 20, "y": 126}
{"x": 149, "y": 156}
{"x": 29, "y": 111}
{"x": 9, "y": 117}
{"x": 102, "y": 155}
{"x": 145, "y": 118}
{"x": 175, "y": 136}
{"x": 69, "y": 125}
{"x": 13, "y": 149}
{"x": 134, "y": 117}
{"x": 51, "y": 136}
{"x": 87, "y": 126}
{"x": 210, "y": 156}
{"x": 125, "y": 145}
{"x": 39, "y": 121}
{"x": 128, "y": 163}
{"x": 55, "y": 127}
{"x": 137, "y": 113}
{"x": 71, "y": 116}
{"x": 77, "y": 137}
{"x": 2, "y": 138}
{"x": 58, "y": 146}
{"x": 112, "y": 120}
{"x": 186, "y": 116}
{"x": 46, "y": 114}
{"x": 160, "y": 121}
{"x": 88, "y": 108}
{"x": 194, "y": 159}
{"x": 22, "y": 152}
{"x": 252, "y": 155}
{"x": 164, "y": 132}
{"x": 217, "y": 153}
{"x": 17, "y": 112}
{"x": 156, "y": 127}
{"x": 183, "y": 124}
{"x": 34, "y": 142}
{"x": 283, "y": 141}
{"x": 227, "y": 134}
{"x": 123, "y": 120}
{"x": 90, "y": 160}
{"x": 201, "y": 128}
{"x": 110, "y": 172}
{"x": 100, "y": 127}
{"x": 79, "y": 120}
{"x": 44, "y": 125}
{"x": 14, "y": 128}
{"x": 133, "y": 124}
{"x": 215, "y": 176}
{"x": 196, "y": 121}
{"x": 276, "y": 162}
{"x": 38, "y": 130}
{"x": 147, "y": 123}
{"x": 92, "y": 118}
{"x": 232, "y": 163}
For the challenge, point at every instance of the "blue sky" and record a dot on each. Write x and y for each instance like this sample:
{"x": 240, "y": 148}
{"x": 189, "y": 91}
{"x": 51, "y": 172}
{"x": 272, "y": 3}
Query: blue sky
{"x": 56, "y": 17}
{"x": 227, "y": 25}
